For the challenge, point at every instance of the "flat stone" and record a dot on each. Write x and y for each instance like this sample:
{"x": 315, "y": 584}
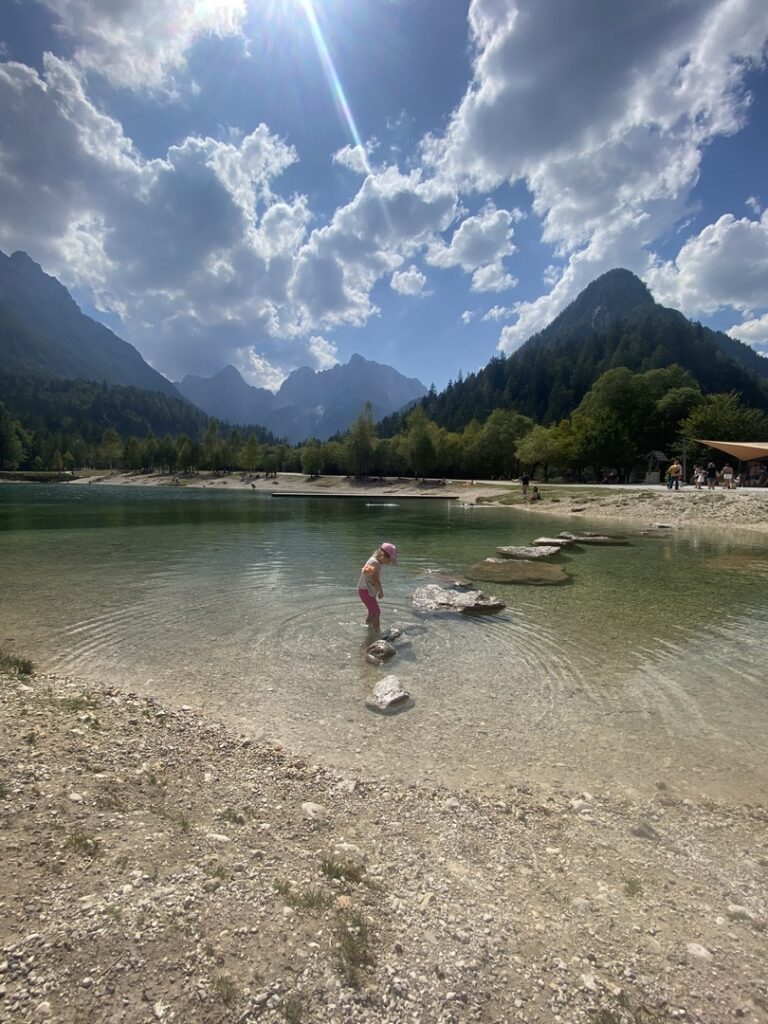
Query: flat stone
{"x": 434, "y": 598}
{"x": 529, "y": 551}
{"x": 552, "y": 542}
{"x": 386, "y": 692}
{"x": 696, "y": 949}
{"x": 315, "y": 812}
{"x": 517, "y": 570}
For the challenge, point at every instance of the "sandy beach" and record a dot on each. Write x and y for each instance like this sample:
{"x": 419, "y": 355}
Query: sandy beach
{"x": 640, "y": 505}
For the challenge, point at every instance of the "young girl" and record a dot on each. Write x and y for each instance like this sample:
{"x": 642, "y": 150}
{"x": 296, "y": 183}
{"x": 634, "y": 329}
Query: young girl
{"x": 369, "y": 584}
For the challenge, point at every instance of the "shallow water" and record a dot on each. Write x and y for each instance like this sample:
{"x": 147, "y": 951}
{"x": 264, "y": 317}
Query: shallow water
{"x": 649, "y": 666}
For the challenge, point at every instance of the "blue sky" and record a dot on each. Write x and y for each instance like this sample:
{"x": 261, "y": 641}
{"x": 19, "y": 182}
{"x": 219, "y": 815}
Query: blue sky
{"x": 277, "y": 183}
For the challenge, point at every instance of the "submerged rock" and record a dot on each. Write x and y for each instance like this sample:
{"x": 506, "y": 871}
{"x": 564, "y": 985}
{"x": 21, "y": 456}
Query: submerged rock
{"x": 529, "y": 551}
{"x": 379, "y": 651}
{"x": 517, "y": 570}
{"x": 387, "y": 692}
{"x": 596, "y": 538}
{"x": 452, "y": 579}
{"x": 434, "y": 598}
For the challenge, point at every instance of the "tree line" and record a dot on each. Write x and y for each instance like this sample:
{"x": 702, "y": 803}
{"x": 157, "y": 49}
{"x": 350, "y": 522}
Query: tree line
{"x": 621, "y": 418}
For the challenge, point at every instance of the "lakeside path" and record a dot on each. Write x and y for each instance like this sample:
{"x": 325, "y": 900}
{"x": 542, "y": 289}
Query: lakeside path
{"x": 643, "y": 505}
{"x": 159, "y": 867}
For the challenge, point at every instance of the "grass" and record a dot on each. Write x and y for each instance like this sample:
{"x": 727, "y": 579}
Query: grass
{"x": 310, "y": 898}
{"x": 216, "y": 871}
{"x": 4, "y": 791}
{"x": 293, "y": 1009}
{"x": 342, "y": 870}
{"x": 625, "y": 1013}
{"x": 224, "y": 989}
{"x": 354, "y": 948}
{"x": 78, "y": 703}
{"x": 231, "y": 815}
{"x": 79, "y": 842}
{"x": 15, "y": 665}
{"x": 633, "y": 887}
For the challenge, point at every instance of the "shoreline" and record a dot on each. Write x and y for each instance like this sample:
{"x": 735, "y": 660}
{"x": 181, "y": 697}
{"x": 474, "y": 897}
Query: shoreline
{"x": 639, "y": 505}
{"x": 165, "y": 867}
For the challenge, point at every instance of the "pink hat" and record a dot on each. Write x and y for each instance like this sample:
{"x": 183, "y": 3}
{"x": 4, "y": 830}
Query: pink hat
{"x": 390, "y": 550}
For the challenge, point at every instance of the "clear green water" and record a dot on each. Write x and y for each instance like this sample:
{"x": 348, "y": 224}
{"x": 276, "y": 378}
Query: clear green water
{"x": 651, "y": 665}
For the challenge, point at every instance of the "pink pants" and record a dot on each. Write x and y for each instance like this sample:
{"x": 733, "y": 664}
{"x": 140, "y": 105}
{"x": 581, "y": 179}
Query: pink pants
{"x": 370, "y": 602}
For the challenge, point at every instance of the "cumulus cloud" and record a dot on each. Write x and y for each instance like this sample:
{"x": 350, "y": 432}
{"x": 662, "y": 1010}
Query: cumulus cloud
{"x": 409, "y": 282}
{"x": 139, "y": 44}
{"x": 606, "y": 128}
{"x": 726, "y": 264}
{"x": 325, "y": 352}
{"x": 754, "y": 204}
{"x": 498, "y": 313}
{"x": 753, "y": 332}
{"x": 259, "y": 372}
{"x": 478, "y": 241}
{"x": 492, "y": 278}
{"x": 356, "y": 158}
{"x": 467, "y": 317}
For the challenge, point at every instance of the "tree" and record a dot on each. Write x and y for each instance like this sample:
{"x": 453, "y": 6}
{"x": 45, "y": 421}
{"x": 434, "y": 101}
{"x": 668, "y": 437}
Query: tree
{"x": 312, "y": 459}
{"x": 421, "y": 450}
{"x": 360, "y": 443}
{"x": 11, "y": 451}
{"x": 723, "y": 418}
{"x": 250, "y": 454}
{"x": 548, "y": 446}
{"x": 111, "y": 447}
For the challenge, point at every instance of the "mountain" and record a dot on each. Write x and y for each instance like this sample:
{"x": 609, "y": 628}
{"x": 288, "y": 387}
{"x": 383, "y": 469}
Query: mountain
{"x": 227, "y": 397}
{"x": 309, "y": 403}
{"x": 44, "y": 332}
{"x": 613, "y": 322}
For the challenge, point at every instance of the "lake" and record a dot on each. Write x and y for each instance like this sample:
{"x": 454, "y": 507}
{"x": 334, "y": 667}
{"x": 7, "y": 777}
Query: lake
{"x": 650, "y": 666}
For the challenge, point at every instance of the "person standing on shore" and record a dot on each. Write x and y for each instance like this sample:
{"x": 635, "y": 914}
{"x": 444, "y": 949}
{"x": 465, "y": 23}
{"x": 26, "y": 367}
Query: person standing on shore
{"x": 369, "y": 586}
{"x": 727, "y": 476}
{"x": 711, "y": 476}
{"x": 675, "y": 473}
{"x": 524, "y": 481}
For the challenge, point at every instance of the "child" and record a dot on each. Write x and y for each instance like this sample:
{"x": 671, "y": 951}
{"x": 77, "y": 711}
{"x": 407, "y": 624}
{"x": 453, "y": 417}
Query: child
{"x": 535, "y": 495}
{"x": 369, "y": 584}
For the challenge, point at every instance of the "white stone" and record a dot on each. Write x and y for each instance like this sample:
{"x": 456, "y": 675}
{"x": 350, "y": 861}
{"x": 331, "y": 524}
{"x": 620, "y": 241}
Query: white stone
{"x": 315, "y": 812}
{"x": 695, "y": 949}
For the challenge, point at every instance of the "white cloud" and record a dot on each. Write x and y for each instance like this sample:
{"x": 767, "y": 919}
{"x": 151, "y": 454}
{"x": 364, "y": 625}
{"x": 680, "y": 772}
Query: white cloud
{"x": 140, "y": 44}
{"x": 753, "y": 332}
{"x": 324, "y": 352}
{"x": 606, "y": 125}
{"x": 467, "y": 317}
{"x": 492, "y": 278}
{"x": 754, "y": 204}
{"x": 498, "y": 313}
{"x": 409, "y": 282}
{"x": 726, "y": 264}
{"x": 356, "y": 158}
{"x": 259, "y": 372}
{"x": 479, "y": 241}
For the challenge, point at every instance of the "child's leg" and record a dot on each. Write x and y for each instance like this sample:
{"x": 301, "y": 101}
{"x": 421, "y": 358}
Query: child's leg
{"x": 372, "y": 606}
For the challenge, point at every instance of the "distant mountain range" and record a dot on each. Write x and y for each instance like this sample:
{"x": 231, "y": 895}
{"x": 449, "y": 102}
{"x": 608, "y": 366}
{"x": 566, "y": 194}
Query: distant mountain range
{"x": 309, "y": 403}
{"x": 613, "y": 322}
{"x": 44, "y": 333}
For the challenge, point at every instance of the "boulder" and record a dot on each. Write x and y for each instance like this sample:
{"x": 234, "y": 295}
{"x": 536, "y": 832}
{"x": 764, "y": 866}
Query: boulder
{"x": 529, "y": 551}
{"x": 434, "y": 598}
{"x": 386, "y": 692}
{"x": 595, "y": 538}
{"x": 517, "y": 570}
{"x": 379, "y": 651}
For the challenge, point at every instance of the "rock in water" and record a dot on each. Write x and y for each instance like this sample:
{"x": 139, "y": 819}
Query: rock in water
{"x": 433, "y": 598}
{"x": 379, "y": 651}
{"x": 386, "y": 692}
{"x": 595, "y": 538}
{"x": 553, "y": 542}
{"x": 517, "y": 570}
{"x": 543, "y": 551}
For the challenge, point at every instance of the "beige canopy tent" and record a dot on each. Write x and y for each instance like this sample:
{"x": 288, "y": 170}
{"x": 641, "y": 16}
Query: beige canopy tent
{"x": 744, "y": 450}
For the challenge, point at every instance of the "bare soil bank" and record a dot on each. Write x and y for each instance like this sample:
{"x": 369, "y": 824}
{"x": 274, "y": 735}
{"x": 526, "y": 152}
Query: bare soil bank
{"x": 158, "y": 867}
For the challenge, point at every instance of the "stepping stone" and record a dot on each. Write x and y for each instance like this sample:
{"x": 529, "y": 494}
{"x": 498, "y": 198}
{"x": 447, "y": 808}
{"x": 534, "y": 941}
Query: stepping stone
{"x": 552, "y": 542}
{"x": 596, "y": 538}
{"x": 379, "y": 651}
{"x": 517, "y": 570}
{"x": 529, "y": 551}
{"x": 433, "y": 598}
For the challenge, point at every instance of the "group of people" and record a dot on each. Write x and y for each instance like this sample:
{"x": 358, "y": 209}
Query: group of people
{"x": 709, "y": 476}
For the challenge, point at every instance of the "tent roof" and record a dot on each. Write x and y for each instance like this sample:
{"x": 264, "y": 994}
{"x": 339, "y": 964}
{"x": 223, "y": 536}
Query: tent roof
{"x": 745, "y": 450}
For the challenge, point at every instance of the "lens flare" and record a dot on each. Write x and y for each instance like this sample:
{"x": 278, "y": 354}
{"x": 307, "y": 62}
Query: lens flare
{"x": 337, "y": 89}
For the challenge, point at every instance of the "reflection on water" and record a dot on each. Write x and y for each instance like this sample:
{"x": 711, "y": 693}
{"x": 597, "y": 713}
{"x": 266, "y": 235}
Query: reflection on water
{"x": 651, "y": 666}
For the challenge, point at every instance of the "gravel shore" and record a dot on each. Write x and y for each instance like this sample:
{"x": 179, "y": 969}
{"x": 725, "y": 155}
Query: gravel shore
{"x": 158, "y": 867}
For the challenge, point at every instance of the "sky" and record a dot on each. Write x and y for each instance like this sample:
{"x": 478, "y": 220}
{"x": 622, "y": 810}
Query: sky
{"x": 282, "y": 183}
